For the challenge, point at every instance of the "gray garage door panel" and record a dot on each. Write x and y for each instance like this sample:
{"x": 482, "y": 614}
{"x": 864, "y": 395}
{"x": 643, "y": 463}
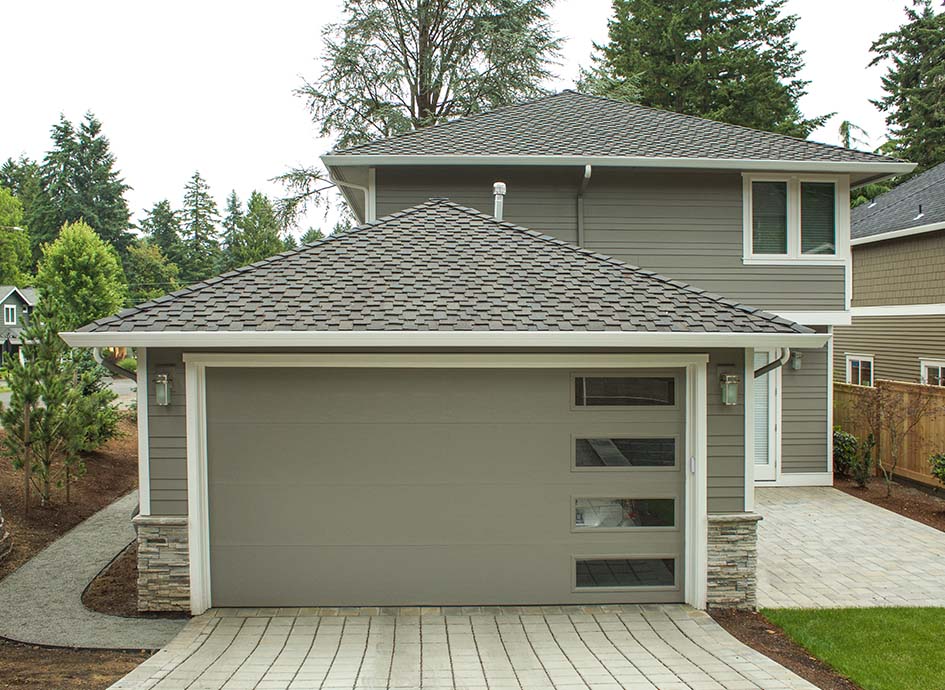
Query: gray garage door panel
{"x": 396, "y": 487}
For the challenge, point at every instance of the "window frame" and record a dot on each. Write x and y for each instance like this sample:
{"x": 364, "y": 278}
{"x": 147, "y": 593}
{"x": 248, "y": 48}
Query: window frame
{"x": 676, "y": 558}
{"x": 851, "y": 357}
{"x": 678, "y": 390}
{"x": 924, "y": 365}
{"x": 651, "y": 495}
{"x": 794, "y": 256}
{"x": 675, "y": 467}
{"x": 11, "y": 308}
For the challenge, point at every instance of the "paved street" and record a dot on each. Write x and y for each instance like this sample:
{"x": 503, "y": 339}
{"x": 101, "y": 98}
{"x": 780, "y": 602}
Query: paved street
{"x": 669, "y": 647}
{"x": 820, "y": 548}
{"x": 125, "y": 388}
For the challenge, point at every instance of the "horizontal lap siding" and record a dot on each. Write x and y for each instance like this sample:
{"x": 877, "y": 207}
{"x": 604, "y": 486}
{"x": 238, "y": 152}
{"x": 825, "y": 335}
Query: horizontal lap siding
{"x": 804, "y": 414}
{"x": 167, "y": 432}
{"x": 904, "y": 271}
{"x": 682, "y": 224}
{"x": 897, "y": 343}
{"x": 726, "y": 436}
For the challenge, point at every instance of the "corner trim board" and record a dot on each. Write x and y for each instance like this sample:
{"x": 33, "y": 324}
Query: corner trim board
{"x": 144, "y": 446}
{"x": 198, "y": 532}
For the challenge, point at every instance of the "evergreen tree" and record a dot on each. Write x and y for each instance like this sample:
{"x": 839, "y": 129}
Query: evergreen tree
{"x": 727, "y": 60}
{"x": 80, "y": 274}
{"x": 15, "y": 256}
{"x": 201, "y": 244}
{"x": 258, "y": 234}
{"x": 162, "y": 227}
{"x": 312, "y": 235}
{"x": 23, "y": 177}
{"x": 915, "y": 85}
{"x": 80, "y": 182}
{"x": 232, "y": 217}
{"x": 149, "y": 272}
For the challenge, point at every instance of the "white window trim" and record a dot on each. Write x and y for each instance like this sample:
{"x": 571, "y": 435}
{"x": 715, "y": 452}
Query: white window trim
{"x": 695, "y": 501}
{"x": 9, "y": 308}
{"x": 794, "y": 255}
{"x": 924, "y": 365}
{"x": 855, "y": 356}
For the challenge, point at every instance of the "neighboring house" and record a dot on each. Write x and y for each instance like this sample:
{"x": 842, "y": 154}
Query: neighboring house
{"x": 442, "y": 408}
{"x": 898, "y": 328}
{"x": 17, "y": 304}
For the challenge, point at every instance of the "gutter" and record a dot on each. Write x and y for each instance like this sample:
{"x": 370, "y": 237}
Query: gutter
{"x": 776, "y": 364}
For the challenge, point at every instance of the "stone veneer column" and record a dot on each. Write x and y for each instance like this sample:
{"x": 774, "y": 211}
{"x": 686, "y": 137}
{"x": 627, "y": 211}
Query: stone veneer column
{"x": 163, "y": 563}
{"x": 733, "y": 560}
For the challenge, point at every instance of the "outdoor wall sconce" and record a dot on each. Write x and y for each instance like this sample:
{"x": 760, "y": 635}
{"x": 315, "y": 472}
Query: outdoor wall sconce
{"x": 729, "y": 383}
{"x": 796, "y": 358}
{"x": 162, "y": 389}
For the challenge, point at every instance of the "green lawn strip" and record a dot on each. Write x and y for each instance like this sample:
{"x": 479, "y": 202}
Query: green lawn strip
{"x": 878, "y": 648}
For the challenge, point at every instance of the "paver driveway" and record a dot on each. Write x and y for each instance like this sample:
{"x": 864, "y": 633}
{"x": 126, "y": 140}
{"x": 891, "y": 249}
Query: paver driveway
{"x": 638, "y": 647}
{"x": 819, "y": 547}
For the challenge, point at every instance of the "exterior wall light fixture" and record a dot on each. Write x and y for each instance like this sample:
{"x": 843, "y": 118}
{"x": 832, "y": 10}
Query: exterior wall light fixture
{"x": 162, "y": 389}
{"x": 796, "y": 359}
{"x": 729, "y": 383}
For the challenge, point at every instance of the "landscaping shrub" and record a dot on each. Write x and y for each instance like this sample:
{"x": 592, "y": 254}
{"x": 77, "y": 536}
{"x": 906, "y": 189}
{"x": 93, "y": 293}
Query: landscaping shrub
{"x": 862, "y": 470}
{"x": 844, "y": 452}
{"x": 937, "y": 462}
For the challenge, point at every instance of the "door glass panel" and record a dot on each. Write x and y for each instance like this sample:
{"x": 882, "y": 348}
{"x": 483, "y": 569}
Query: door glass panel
{"x": 625, "y": 452}
{"x": 603, "y": 513}
{"x": 762, "y": 421}
{"x": 624, "y": 391}
{"x": 625, "y": 572}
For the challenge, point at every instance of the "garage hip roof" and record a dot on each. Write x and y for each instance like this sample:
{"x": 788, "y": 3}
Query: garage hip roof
{"x": 439, "y": 267}
{"x": 918, "y": 203}
{"x": 572, "y": 124}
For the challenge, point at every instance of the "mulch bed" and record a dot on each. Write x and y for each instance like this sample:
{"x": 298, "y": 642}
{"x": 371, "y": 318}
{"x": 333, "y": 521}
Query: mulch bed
{"x": 756, "y": 631}
{"x": 110, "y": 473}
{"x": 925, "y": 506}
{"x": 115, "y": 590}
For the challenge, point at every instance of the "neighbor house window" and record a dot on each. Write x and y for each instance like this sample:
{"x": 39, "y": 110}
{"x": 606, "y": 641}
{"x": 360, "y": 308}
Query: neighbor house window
{"x": 791, "y": 218}
{"x": 860, "y": 370}
{"x": 933, "y": 372}
{"x": 9, "y": 314}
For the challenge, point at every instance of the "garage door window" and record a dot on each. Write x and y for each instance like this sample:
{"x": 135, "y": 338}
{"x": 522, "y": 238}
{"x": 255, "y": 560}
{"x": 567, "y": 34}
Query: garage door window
{"x": 623, "y": 513}
{"x": 624, "y": 573}
{"x": 623, "y": 453}
{"x": 624, "y": 391}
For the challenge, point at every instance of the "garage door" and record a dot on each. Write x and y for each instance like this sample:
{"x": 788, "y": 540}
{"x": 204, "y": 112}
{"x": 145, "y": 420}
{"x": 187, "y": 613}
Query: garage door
{"x": 374, "y": 487}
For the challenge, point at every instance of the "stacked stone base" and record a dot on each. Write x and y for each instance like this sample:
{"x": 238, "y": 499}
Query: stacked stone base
{"x": 163, "y": 564}
{"x": 733, "y": 561}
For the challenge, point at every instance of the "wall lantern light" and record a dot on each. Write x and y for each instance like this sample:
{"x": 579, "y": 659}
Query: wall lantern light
{"x": 796, "y": 358}
{"x": 729, "y": 383}
{"x": 162, "y": 389}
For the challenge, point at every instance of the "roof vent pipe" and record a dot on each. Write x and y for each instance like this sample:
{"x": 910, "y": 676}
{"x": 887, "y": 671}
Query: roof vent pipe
{"x": 499, "y": 190}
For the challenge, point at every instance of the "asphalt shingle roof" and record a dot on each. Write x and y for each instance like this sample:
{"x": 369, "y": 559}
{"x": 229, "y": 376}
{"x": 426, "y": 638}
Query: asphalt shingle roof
{"x": 442, "y": 267}
{"x": 898, "y": 209}
{"x": 576, "y": 124}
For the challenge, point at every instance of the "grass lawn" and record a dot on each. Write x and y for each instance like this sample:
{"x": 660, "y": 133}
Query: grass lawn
{"x": 879, "y": 649}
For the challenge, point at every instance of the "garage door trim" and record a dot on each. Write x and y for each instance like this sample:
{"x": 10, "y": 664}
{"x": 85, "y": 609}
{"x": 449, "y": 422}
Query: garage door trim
{"x": 695, "y": 500}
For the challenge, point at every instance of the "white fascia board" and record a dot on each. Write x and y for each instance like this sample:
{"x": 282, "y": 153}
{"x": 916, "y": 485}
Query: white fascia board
{"x": 528, "y": 339}
{"x": 900, "y": 310}
{"x": 817, "y": 318}
{"x": 896, "y": 234}
{"x": 856, "y": 167}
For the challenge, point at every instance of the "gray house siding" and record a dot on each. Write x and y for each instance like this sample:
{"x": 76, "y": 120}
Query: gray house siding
{"x": 897, "y": 343}
{"x": 168, "y": 434}
{"x": 804, "y": 434}
{"x": 686, "y": 225}
{"x": 900, "y": 271}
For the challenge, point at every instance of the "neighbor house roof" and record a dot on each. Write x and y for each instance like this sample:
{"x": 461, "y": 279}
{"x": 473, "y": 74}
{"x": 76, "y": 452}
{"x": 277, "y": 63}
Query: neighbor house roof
{"x": 571, "y": 124}
{"x": 27, "y": 294}
{"x": 915, "y": 206}
{"x": 440, "y": 267}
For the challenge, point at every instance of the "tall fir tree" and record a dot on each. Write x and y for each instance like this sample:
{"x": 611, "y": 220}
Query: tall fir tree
{"x": 258, "y": 234}
{"x": 150, "y": 274}
{"x": 162, "y": 227}
{"x": 232, "y": 217}
{"x": 81, "y": 182}
{"x": 727, "y": 60}
{"x": 201, "y": 243}
{"x": 15, "y": 258}
{"x": 914, "y": 83}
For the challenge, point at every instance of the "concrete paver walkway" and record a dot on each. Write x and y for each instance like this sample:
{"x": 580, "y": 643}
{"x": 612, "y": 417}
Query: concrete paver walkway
{"x": 821, "y": 548}
{"x": 41, "y": 601}
{"x": 644, "y": 647}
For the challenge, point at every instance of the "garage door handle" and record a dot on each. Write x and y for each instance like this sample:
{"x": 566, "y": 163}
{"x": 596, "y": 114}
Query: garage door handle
{"x": 692, "y": 464}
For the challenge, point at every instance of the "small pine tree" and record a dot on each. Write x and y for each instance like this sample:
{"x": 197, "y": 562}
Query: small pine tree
{"x": 312, "y": 235}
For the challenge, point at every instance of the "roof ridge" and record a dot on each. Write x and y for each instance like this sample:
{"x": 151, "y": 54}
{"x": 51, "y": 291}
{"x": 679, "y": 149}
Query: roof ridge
{"x": 905, "y": 197}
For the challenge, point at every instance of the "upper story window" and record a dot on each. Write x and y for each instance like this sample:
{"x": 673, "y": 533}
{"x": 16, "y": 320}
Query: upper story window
{"x": 795, "y": 219}
{"x": 9, "y": 314}
{"x": 933, "y": 372}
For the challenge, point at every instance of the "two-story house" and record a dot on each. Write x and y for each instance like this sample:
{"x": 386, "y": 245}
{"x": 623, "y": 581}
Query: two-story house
{"x": 560, "y": 389}
{"x": 898, "y": 246}
{"x": 17, "y": 304}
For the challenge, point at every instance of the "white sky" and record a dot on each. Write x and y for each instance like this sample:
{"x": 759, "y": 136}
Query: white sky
{"x": 183, "y": 85}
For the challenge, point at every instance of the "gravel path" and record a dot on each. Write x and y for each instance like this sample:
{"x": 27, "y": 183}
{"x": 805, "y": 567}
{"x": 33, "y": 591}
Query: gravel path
{"x": 41, "y": 600}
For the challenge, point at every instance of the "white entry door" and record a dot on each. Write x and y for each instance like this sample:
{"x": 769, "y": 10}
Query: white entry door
{"x": 767, "y": 416}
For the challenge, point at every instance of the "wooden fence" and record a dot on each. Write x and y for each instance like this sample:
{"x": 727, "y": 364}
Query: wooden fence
{"x": 926, "y": 439}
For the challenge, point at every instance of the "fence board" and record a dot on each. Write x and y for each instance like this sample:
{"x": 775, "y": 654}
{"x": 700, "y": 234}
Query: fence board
{"x": 926, "y": 439}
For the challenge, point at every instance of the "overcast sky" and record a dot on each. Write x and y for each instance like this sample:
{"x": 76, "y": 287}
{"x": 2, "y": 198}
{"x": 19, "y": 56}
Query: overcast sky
{"x": 183, "y": 85}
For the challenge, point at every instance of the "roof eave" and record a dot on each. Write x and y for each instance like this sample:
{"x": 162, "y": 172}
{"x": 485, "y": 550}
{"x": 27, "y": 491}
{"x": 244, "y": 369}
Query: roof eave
{"x": 896, "y": 234}
{"x": 875, "y": 170}
{"x": 410, "y": 339}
